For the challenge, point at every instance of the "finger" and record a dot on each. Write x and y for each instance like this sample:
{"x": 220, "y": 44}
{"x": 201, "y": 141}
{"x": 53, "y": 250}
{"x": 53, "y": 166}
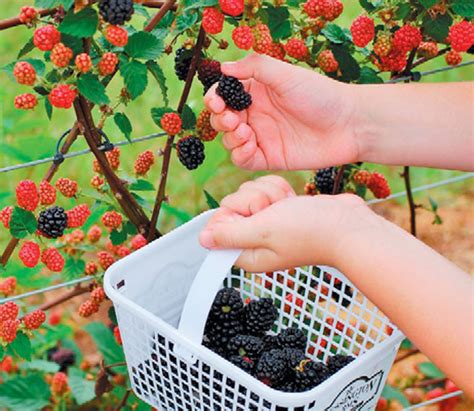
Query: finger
{"x": 259, "y": 260}
{"x": 213, "y": 102}
{"x": 278, "y": 181}
{"x": 226, "y": 121}
{"x": 247, "y": 201}
{"x": 238, "y": 137}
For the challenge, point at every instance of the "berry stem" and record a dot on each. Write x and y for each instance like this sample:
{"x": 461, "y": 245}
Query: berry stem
{"x": 407, "y": 354}
{"x": 160, "y": 195}
{"x": 427, "y": 383}
{"x": 167, "y": 5}
{"x": 15, "y": 21}
{"x": 124, "y": 400}
{"x": 338, "y": 179}
{"x": 411, "y": 202}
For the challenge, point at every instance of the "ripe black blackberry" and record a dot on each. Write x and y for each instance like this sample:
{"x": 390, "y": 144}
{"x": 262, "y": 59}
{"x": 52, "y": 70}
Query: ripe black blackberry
{"x": 337, "y": 362}
{"x": 310, "y": 374}
{"x": 219, "y": 333}
{"x": 245, "y": 346}
{"x": 245, "y": 363}
{"x": 269, "y": 342}
{"x": 182, "y": 62}
{"x": 227, "y": 305}
{"x": 259, "y": 316}
{"x": 294, "y": 357}
{"x": 62, "y": 356}
{"x": 190, "y": 152}
{"x": 272, "y": 368}
{"x": 233, "y": 93}
{"x": 287, "y": 386}
{"x": 52, "y": 222}
{"x": 116, "y": 12}
{"x": 209, "y": 72}
{"x": 325, "y": 180}
{"x": 292, "y": 338}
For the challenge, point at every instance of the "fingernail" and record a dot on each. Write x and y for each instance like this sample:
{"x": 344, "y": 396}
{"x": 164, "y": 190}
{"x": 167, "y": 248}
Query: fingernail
{"x": 207, "y": 239}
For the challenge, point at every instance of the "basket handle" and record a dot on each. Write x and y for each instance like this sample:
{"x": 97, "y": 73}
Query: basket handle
{"x": 201, "y": 295}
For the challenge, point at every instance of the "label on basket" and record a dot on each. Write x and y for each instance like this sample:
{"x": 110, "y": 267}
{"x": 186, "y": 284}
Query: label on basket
{"x": 357, "y": 393}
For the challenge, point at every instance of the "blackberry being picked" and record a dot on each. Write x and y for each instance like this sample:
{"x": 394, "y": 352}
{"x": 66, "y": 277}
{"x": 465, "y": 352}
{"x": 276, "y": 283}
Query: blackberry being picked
{"x": 292, "y": 338}
{"x": 227, "y": 305}
{"x": 233, "y": 93}
{"x": 190, "y": 152}
{"x": 325, "y": 180}
{"x": 52, "y": 222}
{"x": 116, "y": 12}
{"x": 272, "y": 368}
{"x": 337, "y": 362}
{"x": 245, "y": 363}
{"x": 259, "y": 316}
{"x": 209, "y": 72}
{"x": 245, "y": 346}
{"x": 310, "y": 374}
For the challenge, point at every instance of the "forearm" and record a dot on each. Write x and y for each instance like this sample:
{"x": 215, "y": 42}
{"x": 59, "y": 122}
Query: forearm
{"x": 426, "y": 296}
{"x": 428, "y": 125}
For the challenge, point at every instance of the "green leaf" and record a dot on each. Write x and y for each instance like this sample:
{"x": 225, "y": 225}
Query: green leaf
{"x": 74, "y": 268}
{"x": 47, "y": 4}
{"x": 433, "y": 203}
{"x": 211, "y": 201}
{"x": 124, "y": 125}
{"x": 142, "y": 185}
{"x": 105, "y": 342}
{"x": 427, "y": 4}
{"x": 201, "y": 4}
{"x": 188, "y": 117}
{"x": 181, "y": 215}
{"x": 81, "y": 388}
{"x": 403, "y": 10}
{"x": 135, "y": 78}
{"x": 142, "y": 45}
{"x": 130, "y": 228}
{"x": 141, "y": 10}
{"x": 437, "y": 28}
{"x": 185, "y": 21}
{"x": 112, "y": 315}
{"x": 464, "y": 8}
{"x": 91, "y": 88}
{"x": 67, "y": 4}
{"x": 2, "y": 352}
{"x": 25, "y": 393}
{"x": 22, "y": 223}
{"x": 21, "y": 346}
{"x": 348, "y": 65}
{"x": 392, "y": 393}
{"x": 367, "y": 5}
{"x": 40, "y": 365}
{"x": 334, "y": 33}
{"x": 279, "y": 22}
{"x": 48, "y": 108}
{"x": 369, "y": 76}
{"x": 81, "y": 24}
{"x": 118, "y": 237}
{"x": 157, "y": 113}
{"x": 160, "y": 77}
{"x": 29, "y": 46}
{"x": 430, "y": 370}
{"x": 74, "y": 43}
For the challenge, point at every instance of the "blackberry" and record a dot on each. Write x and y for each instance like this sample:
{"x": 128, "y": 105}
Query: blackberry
{"x": 233, "y": 93}
{"x": 259, "y": 316}
{"x": 325, "y": 180}
{"x": 219, "y": 333}
{"x": 182, "y": 62}
{"x": 272, "y": 368}
{"x": 227, "y": 305}
{"x": 294, "y": 357}
{"x": 309, "y": 374}
{"x": 190, "y": 152}
{"x": 245, "y": 346}
{"x": 63, "y": 357}
{"x": 52, "y": 222}
{"x": 292, "y": 338}
{"x": 287, "y": 386}
{"x": 244, "y": 363}
{"x": 269, "y": 342}
{"x": 337, "y": 362}
{"x": 209, "y": 72}
{"x": 116, "y": 12}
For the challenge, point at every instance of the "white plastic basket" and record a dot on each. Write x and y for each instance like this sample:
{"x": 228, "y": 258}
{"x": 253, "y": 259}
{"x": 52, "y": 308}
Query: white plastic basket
{"x": 162, "y": 329}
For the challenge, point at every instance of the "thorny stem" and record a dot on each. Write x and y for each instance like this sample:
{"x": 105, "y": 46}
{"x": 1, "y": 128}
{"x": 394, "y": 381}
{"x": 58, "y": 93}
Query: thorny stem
{"x": 160, "y": 195}
{"x": 338, "y": 179}
{"x": 15, "y": 21}
{"x": 124, "y": 400}
{"x": 158, "y": 16}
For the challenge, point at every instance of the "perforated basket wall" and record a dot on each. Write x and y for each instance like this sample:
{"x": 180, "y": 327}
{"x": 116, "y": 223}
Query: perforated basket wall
{"x": 336, "y": 317}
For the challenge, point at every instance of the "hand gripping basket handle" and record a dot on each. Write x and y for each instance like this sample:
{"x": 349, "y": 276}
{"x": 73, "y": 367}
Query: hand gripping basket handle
{"x": 201, "y": 295}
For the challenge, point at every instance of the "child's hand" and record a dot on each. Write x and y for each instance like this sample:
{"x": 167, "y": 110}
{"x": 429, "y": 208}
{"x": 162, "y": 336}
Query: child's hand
{"x": 298, "y": 119}
{"x": 277, "y": 229}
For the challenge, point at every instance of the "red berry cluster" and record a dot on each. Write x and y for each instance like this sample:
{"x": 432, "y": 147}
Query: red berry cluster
{"x": 171, "y": 123}
{"x": 203, "y": 126}
{"x": 363, "y": 31}
{"x": 8, "y": 322}
{"x": 34, "y": 320}
{"x": 29, "y": 253}
{"x": 59, "y": 384}
{"x": 46, "y": 37}
{"x": 83, "y": 62}
{"x": 47, "y": 193}
{"x": 138, "y": 242}
{"x": 92, "y": 305}
{"x": 26, "y": 101}
{"x": 61, "y": 55}
{"x": 67, "y": 187}
{"x": 328, "y": 9}
{"x": 62, "y": 96}
{"x": 116, "y": 35}
{"x": 97, "y": 182}
{"x": 27, "y": 15}
{"x": 78, "y": 215}
{"x": 94, "y": 233}
{"x": 375, "y": 182}
{"x": 212, "y": 20}
{"x": 107, "y": 64}
{"x": 112, "y": 219}
{"x": 8, "y": 286}
{"x": 327, "y": 62}
{"x": 144, "y": 162}
{"x": 24, "y": 73}
{"x": 27, "y": 196}
{"x": 53, "y": 259}
{"x": 105, "y": 259}
{"x": 296, "y": 48}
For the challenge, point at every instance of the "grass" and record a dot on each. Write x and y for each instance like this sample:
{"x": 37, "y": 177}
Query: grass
{"x": 26, "y": 136}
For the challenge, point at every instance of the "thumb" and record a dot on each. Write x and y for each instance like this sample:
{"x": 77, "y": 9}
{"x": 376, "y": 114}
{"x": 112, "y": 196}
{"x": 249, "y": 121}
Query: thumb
{"x": 260, "y": 67}
{"x": 238, "y": 232}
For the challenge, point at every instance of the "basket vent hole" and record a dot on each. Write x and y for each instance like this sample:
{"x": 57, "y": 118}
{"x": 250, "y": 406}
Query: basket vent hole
{"x": 120, "y": 284}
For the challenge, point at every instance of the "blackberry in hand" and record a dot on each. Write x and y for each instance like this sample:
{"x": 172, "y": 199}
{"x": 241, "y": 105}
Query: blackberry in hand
{"x": 245, "y": 346}
{"x": 259, "y": 316}
{"x": 209, "y": 72}
{"x": 116, "y": 12}
{"x": 227, "y": 305}
{"x": 244, "y": 363}
{"x": 190, "y": 152}
{"x": 337, "y": 362}
{"x": 233, "y": 93}
{"x": 272, "y": 368}
{"x": 292, "y": 338}
{"x": 310, "y": 374}
{"x": 52, "y": 222}
{"x": 325, "y": 178}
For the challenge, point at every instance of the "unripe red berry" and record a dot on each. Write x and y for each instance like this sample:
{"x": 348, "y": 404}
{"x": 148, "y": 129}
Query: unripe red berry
{"x": 34, "y": 320}
{"x": 171, "y": 123}
{"x": 212, "y": 20}
{"x": 318, "y": 8}
{"x": 47, "y": 193}
{"x": 428, "y": 49}
{"x": 112, "y": 219}
{"x": 116, "y": 35}
{"x": 383, "y": 45}
{"x": 61, "y": 55}
{"x": 122, "y": 251}
{"x": 407, "y": 38}
{"x": 105, "y": 259}
{"x": 243, "y": 37}
{"x": 87, "y": 308}
{"x": 62, "y": 96}
{"x": 27, "y": 15}
{"x": 453, "y": 58}
{"x": 91, "y": 268}
{"x": 46, "y": 37}
{"x": 6, "y": 365}
{"x": 97, "y": 182}
{"x": 327, "y": 62}
{"x": 296, "y": 48}
{"x": 54, "y": 317}
{"x": 378, "y": 184}
{"x": 98, "y": 295}
{"x": 113, "y": 156}
{"x": 461, "y": 36}
{"x": 8, "y": 311}
{"x": 334, "y": 11}
{"x": 8, "y": 330}
{"x": 29, "y": 253}
{"x": 6, "y": 215}
{"x": 362, "y": 177}
{"x": 107, "y": 64}
{"x": 277, "y": 51}
{"x": 83, "y": 62}
{"x": 144, "y": 162}
{"x": 67, "y": 187}
{"x": 24, "y": 73}
{"x": 94, "y": 233}
{"x": 117, "y": 335}
{"x": 262, "y": 38}
{"x": 138, "y": 241}
{"x": 203, "y": 126}
{"x": 53, "y": 259}
{"x": 435, "y": 393}
{"x": 26, "y": 101}
{"x": 232, "y": 7}
{"x": 8, "y": 286}
{"x": 78, "y": 215}
{"x": 395, "y": 60}
{"x": 59, "y": 384}
{"x": 27, "y": 195}
{"x": 363, "y": 31}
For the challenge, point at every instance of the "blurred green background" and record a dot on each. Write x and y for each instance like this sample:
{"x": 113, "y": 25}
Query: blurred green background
{"x": 26, "y": 136}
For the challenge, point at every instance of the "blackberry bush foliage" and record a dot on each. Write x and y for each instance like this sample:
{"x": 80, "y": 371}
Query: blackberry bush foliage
{"x": 60, "y": 231}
